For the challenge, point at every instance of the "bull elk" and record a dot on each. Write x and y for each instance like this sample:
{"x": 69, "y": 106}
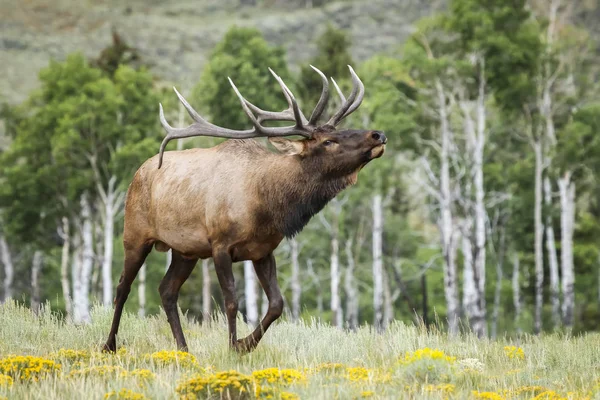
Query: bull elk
{"x": 238, "y": 200}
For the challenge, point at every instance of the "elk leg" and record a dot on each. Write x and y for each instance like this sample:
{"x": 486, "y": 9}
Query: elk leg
{"x": 227, "y": 282}
{"x": 134, "y": 259}
{"x": 267, "y": 275}
{"x": 179, "y": 271}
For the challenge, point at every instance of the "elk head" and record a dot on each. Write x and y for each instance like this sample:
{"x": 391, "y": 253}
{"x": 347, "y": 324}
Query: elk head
{"x": 324, "y": 149}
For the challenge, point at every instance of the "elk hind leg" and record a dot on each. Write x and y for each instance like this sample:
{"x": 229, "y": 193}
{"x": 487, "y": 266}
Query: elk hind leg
{"x": 224, "y": 272}
{"x": 134, "y": 259}
{"x": 179, "y": 271}
{"x": 267, "y": 275}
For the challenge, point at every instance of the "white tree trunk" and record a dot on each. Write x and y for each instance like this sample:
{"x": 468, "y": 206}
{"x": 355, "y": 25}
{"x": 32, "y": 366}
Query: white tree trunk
{"x": 539, "y": 236}
{"x": 388, "y": 302}
{"x": 470, "y": 303}
{"x": 9, "y": 270}
{"x": 64, "y": 232}
{"x": 336, "y": 304}
{"x": 567, "y": 221}
{"x": 377, "y": 208}
{"x": 516, "y": 286}
{"x": 111, "y": 206}
{"x": 499, "y": 278}
{"x": 317, "y": 283}
{"x": 250, "y": 293}
{"x": 142, "y": 291}
{"x": 445, "y": 223}
{"x": 350, "y": 289}
{"x": 82, "y": 301}
{"x": 552, "y": 257}
{"x": 295, "y": 283}
{"x": 479, "y": 245}
{"x": 206, "y": 294}
{"x": 36, "y": 269}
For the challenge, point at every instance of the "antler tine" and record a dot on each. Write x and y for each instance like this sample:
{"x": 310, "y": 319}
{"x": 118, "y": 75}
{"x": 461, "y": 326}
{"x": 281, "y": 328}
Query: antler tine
{"x": 339, "y": 91}
{"x": 299, "y": 117}
{"x": 322, "y": 103}
{"x": 343, "y": 111}
{"x": 359, "y": 97}
{"x": 195, "y": 116}
{"x": 245, "y": 105}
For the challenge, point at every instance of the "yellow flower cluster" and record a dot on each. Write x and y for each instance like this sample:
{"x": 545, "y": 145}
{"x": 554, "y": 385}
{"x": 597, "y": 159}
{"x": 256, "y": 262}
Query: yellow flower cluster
{"x": 70, "y": 355}
{"x": 514, "y": 352}
{"x": 549, "y": 395}
{"x": 426, "y": 354}
{"x": 487, "y": 395}
{"x": 143, "y": 374}
{"x": 125, "y": 394}
{"x": 278, "y": 376}
{"x": 27, "y": 368}
{"x": 357, "y": 374}
{"x": 5, "y": 381}
{"x": 333, "y": 367}
{"x": 367, "y": 393}
{"x": 273, "y": 393}
{"x": 180, "y": 358}
{"x": 227, "y": 384}
{"x": 99, "y": 370}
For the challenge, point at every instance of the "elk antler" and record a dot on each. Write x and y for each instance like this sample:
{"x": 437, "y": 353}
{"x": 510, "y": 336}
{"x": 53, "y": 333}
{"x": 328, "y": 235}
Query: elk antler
{"x": 352, "y": 103}
{"x": 302, "y": 127}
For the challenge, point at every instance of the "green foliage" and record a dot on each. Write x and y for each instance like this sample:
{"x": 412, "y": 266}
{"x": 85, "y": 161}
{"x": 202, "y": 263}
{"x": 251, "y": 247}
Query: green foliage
{"x": 332, "y": 58}
{"x": 245, "y": 56}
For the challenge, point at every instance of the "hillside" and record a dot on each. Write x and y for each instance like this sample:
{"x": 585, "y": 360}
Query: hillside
{"x": 176, "y": 36}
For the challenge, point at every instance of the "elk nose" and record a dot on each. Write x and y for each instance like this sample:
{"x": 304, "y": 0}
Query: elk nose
{"x": 380, "y": 136}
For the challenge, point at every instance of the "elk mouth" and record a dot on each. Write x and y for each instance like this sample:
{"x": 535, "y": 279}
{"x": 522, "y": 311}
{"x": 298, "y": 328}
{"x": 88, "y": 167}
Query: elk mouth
{"x": 376, "y": 151}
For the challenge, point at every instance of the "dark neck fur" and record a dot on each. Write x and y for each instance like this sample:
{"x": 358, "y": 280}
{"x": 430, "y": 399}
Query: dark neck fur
{"x": 296, "y": 196}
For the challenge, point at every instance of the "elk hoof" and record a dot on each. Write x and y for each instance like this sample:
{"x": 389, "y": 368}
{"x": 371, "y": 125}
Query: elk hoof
{"x": 109, "y": 348}
{"x": 244, "y": 346}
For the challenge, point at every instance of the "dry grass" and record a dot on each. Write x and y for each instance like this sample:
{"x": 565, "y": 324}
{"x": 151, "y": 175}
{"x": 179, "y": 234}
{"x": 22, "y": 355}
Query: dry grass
{"x": 321, "y": 361}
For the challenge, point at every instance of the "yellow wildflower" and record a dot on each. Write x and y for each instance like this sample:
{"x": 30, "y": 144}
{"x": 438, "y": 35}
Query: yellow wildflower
{"x": 227, "y": 384}
{"x": 144, "y": 374}
{"x": 426, "y": 354}
{"x": 514, "y": 352}
{"x": 27, "y": 368}
{"x": 549, "y": 395}
{"x": 487, "y": 395}
{"x": 125, "y": 394}
{"x": 70, "y": 355}
{"x": 180, "y": 358}
{"x": 6, "y": 381}
{"x": 276, "y": 375}
{"x": 367, "y": 393}
{"x": 328, "y": 368}
{"x": 357, "y": 374}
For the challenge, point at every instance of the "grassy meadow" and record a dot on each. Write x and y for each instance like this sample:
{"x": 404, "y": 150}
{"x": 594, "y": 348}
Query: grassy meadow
{"x": 44, "y": 357}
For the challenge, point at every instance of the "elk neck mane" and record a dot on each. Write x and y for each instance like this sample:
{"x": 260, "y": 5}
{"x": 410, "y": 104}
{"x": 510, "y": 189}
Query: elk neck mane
{"x": 292, "y": 191}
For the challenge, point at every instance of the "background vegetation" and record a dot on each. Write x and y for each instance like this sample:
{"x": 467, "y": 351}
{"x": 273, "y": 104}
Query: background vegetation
{"x": 484, "y": 208}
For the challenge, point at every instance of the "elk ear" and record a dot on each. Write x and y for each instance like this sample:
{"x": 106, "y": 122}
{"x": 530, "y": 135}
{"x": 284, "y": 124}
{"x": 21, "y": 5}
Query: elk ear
{"x": 287, "y": 146}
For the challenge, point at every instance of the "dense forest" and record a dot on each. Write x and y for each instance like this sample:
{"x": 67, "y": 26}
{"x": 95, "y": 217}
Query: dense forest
{"x": 483, "y": 214}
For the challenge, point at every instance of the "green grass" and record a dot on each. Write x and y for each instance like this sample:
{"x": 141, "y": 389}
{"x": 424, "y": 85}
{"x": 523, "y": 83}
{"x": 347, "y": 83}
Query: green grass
{"x": 558, "y": 363}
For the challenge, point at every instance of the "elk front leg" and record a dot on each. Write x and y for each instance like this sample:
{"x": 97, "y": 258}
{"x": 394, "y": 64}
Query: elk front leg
{"x": 179, "y": 271}
{"x": 134, "y": 258}
{"x": 227, "y": 282}
{"x": 267, "y": 275}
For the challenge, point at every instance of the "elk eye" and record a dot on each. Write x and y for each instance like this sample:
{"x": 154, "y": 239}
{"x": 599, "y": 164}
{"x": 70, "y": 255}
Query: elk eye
{"x": 328, "y": 143}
